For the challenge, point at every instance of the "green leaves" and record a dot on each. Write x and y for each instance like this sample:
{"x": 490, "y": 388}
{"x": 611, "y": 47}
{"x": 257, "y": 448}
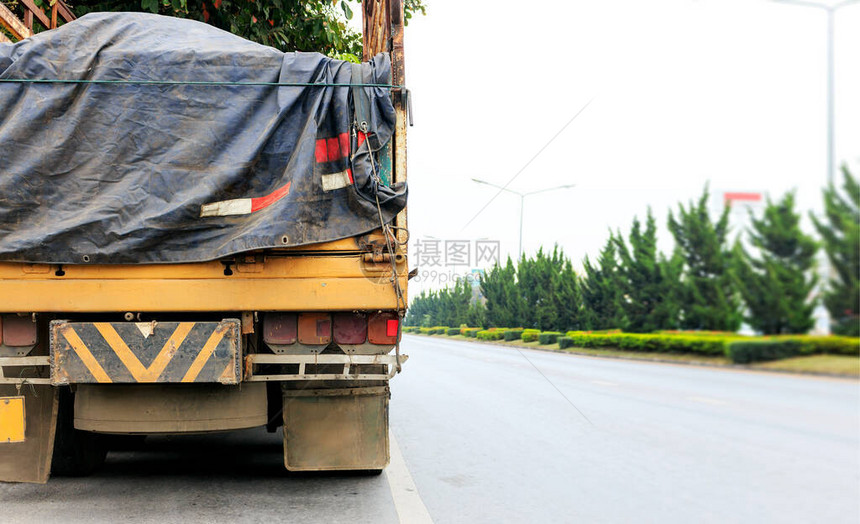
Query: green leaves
{"x": 347, "y": 11}
{"x": 149, "y": 5}
{"x": 840, "y": 233}
{"x": 778, "y": 281}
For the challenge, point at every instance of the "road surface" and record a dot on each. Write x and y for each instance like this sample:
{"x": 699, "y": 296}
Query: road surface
{"x": 489, "y": 434}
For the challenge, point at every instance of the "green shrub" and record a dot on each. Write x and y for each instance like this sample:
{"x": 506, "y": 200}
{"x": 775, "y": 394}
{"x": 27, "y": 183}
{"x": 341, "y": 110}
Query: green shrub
{"x": 513, "y": 334}
{"x": 489, "y": 334}
{"x": 565, "y": 342}
{"x": 425, "y": 330}
{"x": 530, "y": 335}
{"x": 548, "y": 337}
{"x": 762, "y": 350}
{"x": 453, "y": 331}
{"x": 472, "y": 332}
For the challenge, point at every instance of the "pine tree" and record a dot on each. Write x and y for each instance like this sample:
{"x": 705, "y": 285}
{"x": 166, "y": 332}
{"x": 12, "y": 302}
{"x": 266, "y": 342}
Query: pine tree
{"x": 841, "y": 238}
{"x": 601, "y": 291}
{"x": 498, "y": 286}
{"x": 649, "y": 280}
{"x": 568, "y": 298}
{"x": 707, "y": 292}
{"x": 776, "y": 286}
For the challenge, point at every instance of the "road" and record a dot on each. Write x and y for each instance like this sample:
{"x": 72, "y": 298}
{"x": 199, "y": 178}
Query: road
{"x": 489, "y": 434}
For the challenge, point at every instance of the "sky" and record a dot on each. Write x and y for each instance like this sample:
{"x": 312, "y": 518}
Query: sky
{"x": 677, "y": 94}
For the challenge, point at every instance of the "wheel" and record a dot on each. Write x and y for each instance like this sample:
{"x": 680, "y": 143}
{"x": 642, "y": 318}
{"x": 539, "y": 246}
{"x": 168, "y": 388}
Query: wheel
{"x": 76, "y": 453}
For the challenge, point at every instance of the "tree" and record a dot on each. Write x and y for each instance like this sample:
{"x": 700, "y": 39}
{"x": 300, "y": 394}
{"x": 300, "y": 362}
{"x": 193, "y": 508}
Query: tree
{"x": 707, "y": 292}
{"x": 777, "y": 285}
{"x": 499, "y": 288}
{"x": 601, "y": 290}
{"x": 288, "y": 25}
{"x": 840, "y": 235}
{"x": 649, "y": 280}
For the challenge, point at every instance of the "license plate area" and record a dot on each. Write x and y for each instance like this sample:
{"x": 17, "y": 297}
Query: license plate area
{"x": 12, "y": 420}
{"x": 145, "y": 352}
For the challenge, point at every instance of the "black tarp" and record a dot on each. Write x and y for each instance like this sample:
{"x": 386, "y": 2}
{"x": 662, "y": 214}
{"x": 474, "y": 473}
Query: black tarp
{"x": 123, "y": 173}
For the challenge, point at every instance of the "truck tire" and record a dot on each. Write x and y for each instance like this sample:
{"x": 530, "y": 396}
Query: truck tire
{"x": 76, "y": 453}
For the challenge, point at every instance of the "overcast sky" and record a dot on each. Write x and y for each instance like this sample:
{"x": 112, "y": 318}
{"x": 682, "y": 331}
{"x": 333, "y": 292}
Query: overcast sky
{"x": 683, "y": 92}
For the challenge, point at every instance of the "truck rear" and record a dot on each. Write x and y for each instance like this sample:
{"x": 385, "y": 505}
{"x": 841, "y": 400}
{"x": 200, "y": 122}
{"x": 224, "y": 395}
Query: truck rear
{"x": 180, "y": 256}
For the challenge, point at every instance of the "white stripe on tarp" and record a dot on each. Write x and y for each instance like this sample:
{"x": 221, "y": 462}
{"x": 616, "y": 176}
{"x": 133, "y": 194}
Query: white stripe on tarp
{"x": 239, "y": 206}
{"x": 335, "y": 181}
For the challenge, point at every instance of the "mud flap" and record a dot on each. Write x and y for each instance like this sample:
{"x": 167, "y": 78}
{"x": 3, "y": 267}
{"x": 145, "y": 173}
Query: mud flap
{"x": 336, "y": 429}
{"x": 30, "y": 461}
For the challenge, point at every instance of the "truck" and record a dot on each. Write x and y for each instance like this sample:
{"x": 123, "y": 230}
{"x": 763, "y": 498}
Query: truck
{"x": 197, "y": 234}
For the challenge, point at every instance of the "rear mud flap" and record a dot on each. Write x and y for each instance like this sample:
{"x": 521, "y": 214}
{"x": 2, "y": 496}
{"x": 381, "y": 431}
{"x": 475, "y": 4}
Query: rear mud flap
{"x": 30, "y": 461}
{"x": 336, "y": 429}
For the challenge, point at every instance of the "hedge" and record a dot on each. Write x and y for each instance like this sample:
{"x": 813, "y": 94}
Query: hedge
{"x": 472, "y": 332}
{"x": 746, "y": 351}
{"x": 490, "y": 334}
{"x": 453, "y": 331}
{"x": 513, "y": 334}
{"x": 548, "y": 337}
{"x": 530, "y": 335}
{"x": 565, "y": 342}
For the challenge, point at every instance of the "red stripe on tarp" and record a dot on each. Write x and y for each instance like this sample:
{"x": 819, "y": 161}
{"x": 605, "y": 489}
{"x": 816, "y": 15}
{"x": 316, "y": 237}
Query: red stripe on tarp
{"x": 333, "y": 147}
{"x": 749, "y": 197}
{"x": 265, "y": 201}
{"x": 320, "y": 152}
{"x": 349, "y": 174}
{"x": 344, "y": 143}
{"x": 361, "y": 138}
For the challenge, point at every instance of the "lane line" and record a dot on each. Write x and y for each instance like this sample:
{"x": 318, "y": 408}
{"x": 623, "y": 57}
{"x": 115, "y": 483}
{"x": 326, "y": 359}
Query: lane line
{"x": 410, "y": 508}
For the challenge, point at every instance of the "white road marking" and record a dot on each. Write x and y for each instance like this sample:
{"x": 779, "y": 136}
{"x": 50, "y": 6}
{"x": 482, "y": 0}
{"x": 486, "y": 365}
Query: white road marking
{"x": 603, "y": 383}
{"x": 410, "y": 508}
{"x": 706, "y": 400}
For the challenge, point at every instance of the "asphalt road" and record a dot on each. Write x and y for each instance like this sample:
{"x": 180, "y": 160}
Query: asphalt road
{"x": 488, "y": 434}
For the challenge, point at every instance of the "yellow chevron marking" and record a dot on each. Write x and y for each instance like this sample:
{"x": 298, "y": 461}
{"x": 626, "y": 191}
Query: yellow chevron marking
{"x": 166, "y": 354}
{"x": 205, "y": 353}
{"x": 126, "y": 355}
{"x": 85, "y": 355}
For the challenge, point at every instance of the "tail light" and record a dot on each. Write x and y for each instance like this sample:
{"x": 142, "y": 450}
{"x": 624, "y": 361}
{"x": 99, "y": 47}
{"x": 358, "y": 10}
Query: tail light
{"x": 349, "y": 328}
{"x": 314, "y": 328}
{"x": 382, "y": 328}
{"x": 18, "y": 331}
{"x": 280, "y": 328}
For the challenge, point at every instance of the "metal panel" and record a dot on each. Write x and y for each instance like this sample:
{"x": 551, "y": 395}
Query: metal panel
{"x": 145, "y": 352}
{"x": 12, "y": 420}
{"x": 336, "y": 429}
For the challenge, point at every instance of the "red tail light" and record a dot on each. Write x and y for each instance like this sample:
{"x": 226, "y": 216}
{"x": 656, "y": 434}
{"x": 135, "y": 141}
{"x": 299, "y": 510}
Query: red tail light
{"x": 18, "y": 331}
{"x": 382, "y": 328}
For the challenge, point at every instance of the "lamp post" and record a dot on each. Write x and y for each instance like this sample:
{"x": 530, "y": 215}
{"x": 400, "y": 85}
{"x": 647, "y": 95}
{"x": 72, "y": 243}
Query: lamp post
{"x": 830, "y": 9}
{"x": 522, "y": 200}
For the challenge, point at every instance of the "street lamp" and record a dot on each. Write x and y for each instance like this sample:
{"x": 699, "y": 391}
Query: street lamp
{"x": 831, "y": 11}
{"x": 523, "y": 200}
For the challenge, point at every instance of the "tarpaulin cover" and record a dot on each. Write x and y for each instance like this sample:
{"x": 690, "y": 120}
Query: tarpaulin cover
{"x": 135, "y": 173}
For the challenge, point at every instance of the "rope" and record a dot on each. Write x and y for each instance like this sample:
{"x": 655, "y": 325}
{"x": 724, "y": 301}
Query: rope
{"x": 185, "y": 83}
{"x": 387, "y": 231}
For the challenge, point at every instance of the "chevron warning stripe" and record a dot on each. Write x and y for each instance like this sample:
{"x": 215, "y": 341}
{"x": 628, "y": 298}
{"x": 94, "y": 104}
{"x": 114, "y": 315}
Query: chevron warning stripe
{"x": 145, "y": 352}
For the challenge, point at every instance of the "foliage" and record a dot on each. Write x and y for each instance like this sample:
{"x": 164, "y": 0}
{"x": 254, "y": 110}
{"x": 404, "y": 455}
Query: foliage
{"x": 490, "y": 334}
{"x": 601, "y": 290}
{"x": 530, "y": 335}
{"x": 503, "y": 303}
{"x": 548, "y": 337}
{"x": 840, "y": 234}
{"x": 513, "y": 334}
{"x": 777, "y": 284}
{"x": 448, "y": 307}
{"x": 453, "y": 332}
{"x": 708, "y": 295}
{"x": 565, "y": 342}
{"x": 472, "y": 332}
{"x": 650, "y": 342}
{"x": 288, "y": 25}
{"x": 747, "y": 351}
{"x": 649, "y": 281}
